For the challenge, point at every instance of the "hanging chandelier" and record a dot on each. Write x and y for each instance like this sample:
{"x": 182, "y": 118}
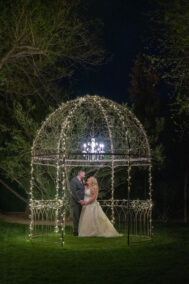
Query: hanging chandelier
{"x": 93, "y": 150}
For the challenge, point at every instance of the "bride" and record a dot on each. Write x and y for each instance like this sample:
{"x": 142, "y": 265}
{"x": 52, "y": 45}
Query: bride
{"x": 93, "y": 222}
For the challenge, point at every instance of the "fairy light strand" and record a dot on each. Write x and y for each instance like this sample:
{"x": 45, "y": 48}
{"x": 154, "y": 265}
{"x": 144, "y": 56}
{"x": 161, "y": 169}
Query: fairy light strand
{"x": 60, "y": 204}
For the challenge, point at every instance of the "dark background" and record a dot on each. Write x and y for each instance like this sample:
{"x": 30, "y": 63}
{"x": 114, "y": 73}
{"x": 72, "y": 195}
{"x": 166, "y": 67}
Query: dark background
{"x": 122, "y": 35}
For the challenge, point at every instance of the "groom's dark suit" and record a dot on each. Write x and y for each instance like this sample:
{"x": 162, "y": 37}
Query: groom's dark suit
{"x": 77, "y": 194}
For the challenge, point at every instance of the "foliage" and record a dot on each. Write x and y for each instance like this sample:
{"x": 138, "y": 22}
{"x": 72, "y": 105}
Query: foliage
{"x": 168, "y": 40}
{"x": 44, "y": 41}
{"x": 168, "y": 52}
{"x": 18, "y": 126}
{"x": 146, "y": 104}
{"x": 41, "y": 43}
{"x": 167, "y": 49}
{"x": 180, "y": 117}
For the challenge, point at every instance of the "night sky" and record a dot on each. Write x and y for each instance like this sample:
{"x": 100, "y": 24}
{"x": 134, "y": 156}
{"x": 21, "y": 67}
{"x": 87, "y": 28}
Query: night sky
{"x": 122, "y": 36}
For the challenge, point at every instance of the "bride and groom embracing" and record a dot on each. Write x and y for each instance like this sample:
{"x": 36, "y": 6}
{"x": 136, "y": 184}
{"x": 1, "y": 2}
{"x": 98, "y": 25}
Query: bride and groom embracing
{"x": 89, "y": 220}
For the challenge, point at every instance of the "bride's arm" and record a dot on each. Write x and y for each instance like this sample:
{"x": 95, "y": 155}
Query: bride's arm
{"x": 93, "y": 197}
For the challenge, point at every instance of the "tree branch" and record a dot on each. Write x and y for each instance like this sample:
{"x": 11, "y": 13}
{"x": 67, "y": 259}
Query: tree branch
{"x": 13, "y": 191}
{"x": 6, "y": 57}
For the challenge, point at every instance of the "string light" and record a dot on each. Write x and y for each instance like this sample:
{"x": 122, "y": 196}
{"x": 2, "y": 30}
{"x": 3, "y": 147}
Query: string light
{"x": 99, "y": 103}
{"x": 132, "y": 136}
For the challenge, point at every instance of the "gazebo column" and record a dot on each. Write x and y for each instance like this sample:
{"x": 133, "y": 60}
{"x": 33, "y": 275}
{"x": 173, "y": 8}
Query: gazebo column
{"x": 128, "y": 184}
{"x": 62, "y": 146}
{"x": 112, "y": 153}
{"x": 31, "y": 215}
{"x": 56, "y": 229}
{"x": 128, "y": 202}
{"x": 112, "y": 193}
{"x": 150, "y": 197}
{"x": 63, "y": 215}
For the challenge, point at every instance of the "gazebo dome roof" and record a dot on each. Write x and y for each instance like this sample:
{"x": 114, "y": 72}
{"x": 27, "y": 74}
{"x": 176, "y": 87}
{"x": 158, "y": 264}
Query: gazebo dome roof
{"x": 76, "y": 122}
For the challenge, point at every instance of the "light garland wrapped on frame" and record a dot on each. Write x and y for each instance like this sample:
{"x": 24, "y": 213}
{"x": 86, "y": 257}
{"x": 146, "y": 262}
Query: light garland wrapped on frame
{"x": 60, "y": 159}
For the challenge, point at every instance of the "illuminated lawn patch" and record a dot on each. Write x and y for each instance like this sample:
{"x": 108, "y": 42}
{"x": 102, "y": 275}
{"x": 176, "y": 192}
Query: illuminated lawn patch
{"x": 165, "y": 259}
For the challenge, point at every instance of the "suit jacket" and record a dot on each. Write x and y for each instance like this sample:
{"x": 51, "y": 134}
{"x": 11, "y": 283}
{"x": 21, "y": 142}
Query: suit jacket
{"x": 77, "y": 189}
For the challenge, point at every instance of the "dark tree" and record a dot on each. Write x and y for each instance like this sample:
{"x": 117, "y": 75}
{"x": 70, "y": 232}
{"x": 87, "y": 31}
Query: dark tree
{"x": 42, "y": 43}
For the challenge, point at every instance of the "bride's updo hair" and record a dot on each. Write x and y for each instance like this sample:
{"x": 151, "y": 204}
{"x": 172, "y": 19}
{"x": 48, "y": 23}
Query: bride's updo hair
{"x": 93, "y": 184}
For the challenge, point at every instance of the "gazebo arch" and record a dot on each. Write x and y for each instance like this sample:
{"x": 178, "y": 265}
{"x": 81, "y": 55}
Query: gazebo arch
{"x": 64, "y": 143}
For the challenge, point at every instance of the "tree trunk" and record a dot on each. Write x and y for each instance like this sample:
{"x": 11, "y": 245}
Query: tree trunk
{"x": 185, "y": 197}
{"x": 13, "y": 191}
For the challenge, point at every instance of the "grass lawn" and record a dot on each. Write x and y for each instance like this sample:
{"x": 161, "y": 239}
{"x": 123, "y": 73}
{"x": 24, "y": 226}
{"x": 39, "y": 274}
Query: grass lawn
{"x": 165, "y": 259}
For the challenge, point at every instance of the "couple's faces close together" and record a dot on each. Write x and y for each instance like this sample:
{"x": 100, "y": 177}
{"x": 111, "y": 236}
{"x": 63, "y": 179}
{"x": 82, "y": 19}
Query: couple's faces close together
{"x": 82, "y": 176}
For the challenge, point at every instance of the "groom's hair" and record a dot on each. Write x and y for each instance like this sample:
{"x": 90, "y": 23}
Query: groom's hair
{"x": 79, "y": 172}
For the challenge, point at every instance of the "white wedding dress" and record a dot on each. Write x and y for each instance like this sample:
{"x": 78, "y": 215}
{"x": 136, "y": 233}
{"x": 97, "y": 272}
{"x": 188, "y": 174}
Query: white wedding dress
{"x": 93, "y": 222}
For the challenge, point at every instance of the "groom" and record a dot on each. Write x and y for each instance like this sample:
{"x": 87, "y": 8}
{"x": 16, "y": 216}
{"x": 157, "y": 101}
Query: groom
{"x": 77, "y": 196}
